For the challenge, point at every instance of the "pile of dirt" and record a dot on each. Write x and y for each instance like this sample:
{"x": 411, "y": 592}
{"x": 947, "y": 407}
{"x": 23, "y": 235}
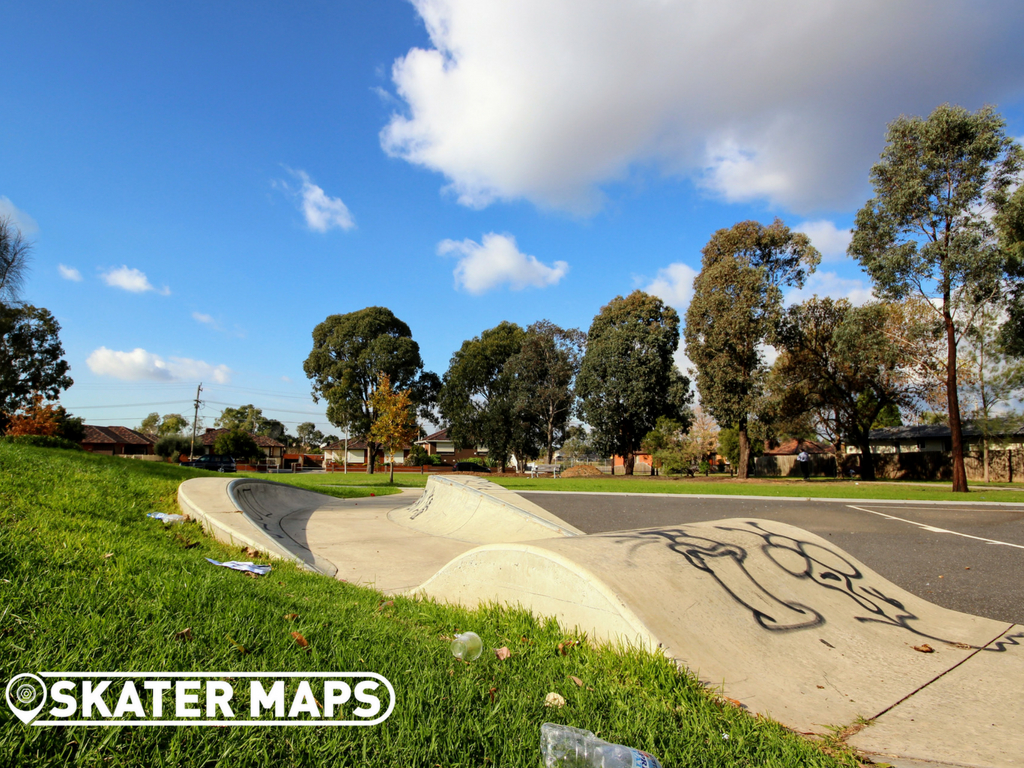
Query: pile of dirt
{"x": 582, "y": 470}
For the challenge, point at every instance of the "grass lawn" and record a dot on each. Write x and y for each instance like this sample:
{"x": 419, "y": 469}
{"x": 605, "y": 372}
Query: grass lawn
{"x": 89, "y": 583}
{"x": 784, "y": 487}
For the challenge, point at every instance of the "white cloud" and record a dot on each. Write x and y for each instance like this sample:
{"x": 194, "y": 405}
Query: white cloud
{"x": 674, "y": 286}
{"x": 784, "y": 101}
{"x": 827, "y": 238}
{"x": 131, "y": 279}
{"x": 69, "y": 273}
{"x": 321, "y": 211}
{"x": 205, "y": 319}
{"x": 822, "y": 284}
{"x": 21, "y": 220}
{"x": 140, "y": 365}
{"x": 483, "y": 266}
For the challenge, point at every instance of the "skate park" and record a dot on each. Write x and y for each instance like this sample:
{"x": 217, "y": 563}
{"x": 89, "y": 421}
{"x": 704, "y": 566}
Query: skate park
{"x": 783, "y": 620}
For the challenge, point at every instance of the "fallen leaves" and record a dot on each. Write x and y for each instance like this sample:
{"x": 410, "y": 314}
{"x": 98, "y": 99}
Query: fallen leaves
{"x": 300, "y": 640}
{"x": 491, "y": 694}
{"x": 961, "y": 646}
{"x": 291, "y": 616}
{"x": 579, "y": 683}
{"x": 567, "y": 645}
{"x": 251, "y": 551}
{"x": 241, "y": 648}
{"x": 107, "y": 555}
{"x": 185, "y": 634}
{"x": 554, "y": 700}
{"x": 924, "y": 648}
{"x": 502, "y": 653}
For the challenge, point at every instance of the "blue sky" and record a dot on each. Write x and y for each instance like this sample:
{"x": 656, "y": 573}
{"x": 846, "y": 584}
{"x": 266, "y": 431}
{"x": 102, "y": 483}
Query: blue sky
{"x": 205, "y": 182}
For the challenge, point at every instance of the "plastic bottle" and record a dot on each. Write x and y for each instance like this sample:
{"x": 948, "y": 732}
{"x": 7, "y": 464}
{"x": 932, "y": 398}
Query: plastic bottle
{"x": 467, "y": 647}
{"x": 565, "y": 747}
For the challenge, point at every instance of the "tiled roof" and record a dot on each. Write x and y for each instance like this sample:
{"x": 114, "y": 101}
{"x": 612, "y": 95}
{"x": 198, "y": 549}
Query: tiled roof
{"x": 210, "y": 437}
{"x": 115, "y": 436}
{"x": 131, "y": 436}
{"x": 437, "y": 437}
{"x": 794, "y": 446}
{"x": 356, "y": 445}
{"x": 1008, "y": 428}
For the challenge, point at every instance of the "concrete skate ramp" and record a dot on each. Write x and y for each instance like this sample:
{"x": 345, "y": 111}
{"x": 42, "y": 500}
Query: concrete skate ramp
{"x": 476, "y": 510}
{"x": 783, "y": 621}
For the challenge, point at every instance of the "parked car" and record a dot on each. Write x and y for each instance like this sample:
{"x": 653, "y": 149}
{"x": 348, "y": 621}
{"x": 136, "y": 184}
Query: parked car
{"x": 212, "y": 462}
{"x": 470, "y": 466}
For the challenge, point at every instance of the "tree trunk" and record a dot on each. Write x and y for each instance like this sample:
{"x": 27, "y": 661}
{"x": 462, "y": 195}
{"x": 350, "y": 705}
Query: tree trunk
{"x": 867, "y": 461}
{"x": 953, "y": 400}
{"x": 371, "y": 456}
{"x": 627, "y": 463}
{"x": 551, "y": 439}
{"x": 742, "y": 471}
{"x": 984, "y": 450}
{"x": 391, "y": 479}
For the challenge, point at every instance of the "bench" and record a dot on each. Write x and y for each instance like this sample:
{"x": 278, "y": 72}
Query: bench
{"x": 542, "y": 469}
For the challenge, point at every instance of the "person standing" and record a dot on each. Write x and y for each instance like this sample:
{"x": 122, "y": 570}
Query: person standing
{"x": 805, "y": 464}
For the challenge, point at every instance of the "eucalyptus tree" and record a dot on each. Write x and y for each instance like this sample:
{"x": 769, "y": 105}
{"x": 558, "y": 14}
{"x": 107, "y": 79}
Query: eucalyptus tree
{"x": 737, "y": 302}
{"x": 929, "y": 228}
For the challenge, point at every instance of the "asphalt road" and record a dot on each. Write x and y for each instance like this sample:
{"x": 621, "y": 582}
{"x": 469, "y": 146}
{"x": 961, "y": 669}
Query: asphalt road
{"x": 946, "y": 567}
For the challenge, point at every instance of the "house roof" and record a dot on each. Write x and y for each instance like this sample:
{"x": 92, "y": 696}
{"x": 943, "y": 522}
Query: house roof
{"x": 794, "y": 446}
{"x": 1005, "y": 428}
{"x": 437, "y": 437}
{"x": 356, "y": 445}
{"x": 210, "y": 437}
{"x": 114, "y": 436}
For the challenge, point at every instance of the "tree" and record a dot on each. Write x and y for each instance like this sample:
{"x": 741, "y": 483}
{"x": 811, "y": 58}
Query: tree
{"x": 173, "y": 424}
{"x": 736, "y": 305}
{"x": 577, "y": 442}
{"x": 481, "y": 402}
{"x": 544, "y": 371}
{"x": 309, "y": 435}
{"x": 237, "y": 444}
{"x": 151, "y": 424}
{"x": 838, "y": 361}
{"x": 395, "y": 424}
{"x": 247, "y": 418}
{"x": 14, "y": 254}
{"x": 627, "y": 377}
{"x": 31, "y": 357}
{"x": 928, "y": 230}
{"x": 172, "y": 447}
{"x": 349, "y": 352}
{"x": 37, "y": 419}
{"x": 1010, "y": 228}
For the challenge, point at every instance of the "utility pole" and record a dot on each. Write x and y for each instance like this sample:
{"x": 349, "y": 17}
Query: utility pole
{"x": 195, "y": 424}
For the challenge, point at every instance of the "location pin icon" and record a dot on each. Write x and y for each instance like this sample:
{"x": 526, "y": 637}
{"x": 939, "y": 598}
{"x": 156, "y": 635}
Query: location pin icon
{"x": 23, "y": 691}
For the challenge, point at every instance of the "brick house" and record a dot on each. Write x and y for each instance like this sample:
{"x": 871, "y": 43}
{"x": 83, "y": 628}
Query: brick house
{"x": 271, "y": 447}
{"x": 442, "y": 446}
{"x": 117, "y": 441}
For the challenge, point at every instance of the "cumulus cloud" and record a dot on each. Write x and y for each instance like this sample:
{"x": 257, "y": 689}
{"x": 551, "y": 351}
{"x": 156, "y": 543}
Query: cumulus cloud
{"x": 321, "y": 211}
{"x": 205, "y": 319}
{"x": 21, "y": 220}
{"x": 69, "y": 273}
{"x": 140, "y": 365}
{"x": 497, "y": 260}
{"x": 784, "y": 102}
{"x": 674, "y": 285}
{"x": 132, "y": 280}
{"x": 827, "y": 238}
{"x": 822, "y": 284}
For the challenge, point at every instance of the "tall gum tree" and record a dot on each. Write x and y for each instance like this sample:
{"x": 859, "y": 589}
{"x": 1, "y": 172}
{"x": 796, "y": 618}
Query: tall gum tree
{"x": 627, "y": 377}
{"x": 349, "y": 353}
{"x": 736, "y": 305}
{"x": 928, "y": 231}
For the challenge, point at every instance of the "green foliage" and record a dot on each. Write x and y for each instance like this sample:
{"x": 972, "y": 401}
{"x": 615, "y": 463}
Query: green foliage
{"x": 309, "y": 435}
{"x": 736, "y": 305}
{"x": 237, "y": 444}
{"x": 14, "y": 255}
{"x": 418, "y": 457}
{"x": 729, "y": 445}
{"x": 481, "y": 401}
{"x": 349, "y": 353}
{"x": 929, "y": 232}
{"x": 31, "y": 357}
{"x": 172, "y": 446}
{"x": 173, "y": 424}
{"x": 627, "y": 377}
{"x": 888, "y": 416}
{"x": 42, "y": 441}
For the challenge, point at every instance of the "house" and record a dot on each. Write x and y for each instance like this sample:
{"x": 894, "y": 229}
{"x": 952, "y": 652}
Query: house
{"x": 357, "y": 450}
{"x": 117, "y": 441}
{"x": 441, "y": 445}
{"x": 271, "y": 447}
{"x": 795, "y": 446}
{"x": 781, "y": 461}
{"x": 937, "y": 438}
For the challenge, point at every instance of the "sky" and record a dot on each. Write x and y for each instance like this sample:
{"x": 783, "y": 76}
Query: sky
{"x": 205, "y": 182}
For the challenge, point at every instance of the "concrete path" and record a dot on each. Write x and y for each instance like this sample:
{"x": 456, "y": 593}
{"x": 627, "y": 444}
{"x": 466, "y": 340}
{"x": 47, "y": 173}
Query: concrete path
{"x": 779, "y": 618}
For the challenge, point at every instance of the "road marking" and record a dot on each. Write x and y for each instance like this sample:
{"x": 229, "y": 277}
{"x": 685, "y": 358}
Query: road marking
{"x": 933, "y": 529}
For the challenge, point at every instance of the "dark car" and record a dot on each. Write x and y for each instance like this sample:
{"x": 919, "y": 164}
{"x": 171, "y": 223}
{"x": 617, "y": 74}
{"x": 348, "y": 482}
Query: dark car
{"x": 212, "y": 462}
{"x": 470, "y": 466}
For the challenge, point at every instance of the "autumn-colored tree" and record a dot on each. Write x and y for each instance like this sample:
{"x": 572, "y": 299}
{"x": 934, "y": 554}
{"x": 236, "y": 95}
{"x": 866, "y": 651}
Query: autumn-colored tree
{"x": 395, "y": 423}
{"x": 37, "y": 419}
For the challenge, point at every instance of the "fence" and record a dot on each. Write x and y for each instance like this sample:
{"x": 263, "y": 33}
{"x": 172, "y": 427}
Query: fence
{"x": 822, "y": 465}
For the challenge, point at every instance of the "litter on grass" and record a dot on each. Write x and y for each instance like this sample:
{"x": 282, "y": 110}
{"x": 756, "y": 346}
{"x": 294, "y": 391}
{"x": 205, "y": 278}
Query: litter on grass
{"x": 165, "y": 518}
{"x": 259, "y": 570}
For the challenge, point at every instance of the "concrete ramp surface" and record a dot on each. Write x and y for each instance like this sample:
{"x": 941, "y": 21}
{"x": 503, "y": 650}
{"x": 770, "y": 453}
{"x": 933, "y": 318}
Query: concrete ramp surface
{"x": 776, "y": 617}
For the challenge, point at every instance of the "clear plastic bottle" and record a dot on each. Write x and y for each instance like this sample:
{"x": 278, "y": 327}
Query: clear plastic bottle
{"x": 564, "y": 747}
{"x": 467, "y": 647}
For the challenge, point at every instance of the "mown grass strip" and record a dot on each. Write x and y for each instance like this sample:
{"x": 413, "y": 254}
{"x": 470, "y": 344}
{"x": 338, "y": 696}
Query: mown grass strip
{"x": 88, "y": 583}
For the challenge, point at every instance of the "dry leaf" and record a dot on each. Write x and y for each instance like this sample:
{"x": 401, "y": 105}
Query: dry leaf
{"x": 300, "y": 640}
{"x": 579, "y": 683}
{"x": 241, "y": 648}
{"x": 108, "y": 554}
{"x": 185, "y": 634}
{"x": 251, "y": 575}
{"x": 822, "y": 687}
{"x": 734, "y": 702}
{"x": 502, "y": 653}
{"x": 962, "y": 646}
{"x": 554, "y": 700}
{"x": 251, "y": 551}
{"x": 924, "y": 648}
{"x": 291, "y": 616}
{"x": 492, "y": 692}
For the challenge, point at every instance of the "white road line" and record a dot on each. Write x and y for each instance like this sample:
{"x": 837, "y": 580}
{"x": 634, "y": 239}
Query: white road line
{"x": 933, "y": 529}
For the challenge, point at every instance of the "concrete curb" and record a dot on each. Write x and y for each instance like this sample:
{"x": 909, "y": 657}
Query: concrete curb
{"x": 741, "y": 497}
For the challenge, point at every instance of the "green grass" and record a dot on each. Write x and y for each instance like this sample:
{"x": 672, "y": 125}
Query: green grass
{"x": 66, "y": 605}
{"x": 783, "y": 488}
